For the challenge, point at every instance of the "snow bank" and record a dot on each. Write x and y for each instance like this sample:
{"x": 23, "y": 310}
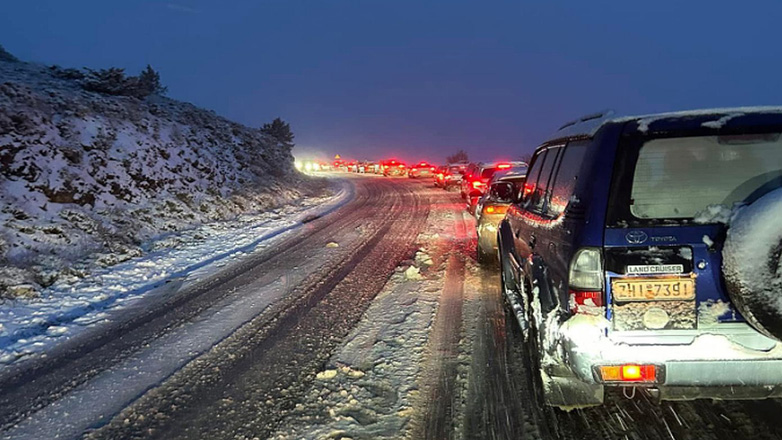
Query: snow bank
{"x": 68, "y": 307}
{"x": 88, "y": 181}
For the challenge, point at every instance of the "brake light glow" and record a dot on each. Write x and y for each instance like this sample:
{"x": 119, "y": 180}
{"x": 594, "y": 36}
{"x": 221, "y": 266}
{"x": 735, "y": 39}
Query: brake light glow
{"x": 503, "y": 166}
{"x": 592, "y": 298}
{"x": 495, "y": 209}
{"x": 478, "y": 184}
{"x": 585, "y": 280}
{"x": 628, "y": 373}
{"x": 415, "y": 169}
{"x": 401, "y": 166}
{"x": 528, "y": 189}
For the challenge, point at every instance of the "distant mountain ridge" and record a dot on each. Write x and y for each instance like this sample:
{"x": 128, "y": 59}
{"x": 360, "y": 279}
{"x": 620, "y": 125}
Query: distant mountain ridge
{"x": 84, "y": 173}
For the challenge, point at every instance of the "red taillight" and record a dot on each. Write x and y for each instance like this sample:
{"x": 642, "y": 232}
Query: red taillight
{"x": 431, "y": 169}
{"x": 503, "y": 166}
{"x": 414, "y": 169}
{"x": 401, "y": 166}
{"x": 589, "y": 298}
{"x": 528, "y": 188}
{"x": 385, "y": 166}
{"x": 495, "y": 209}
{"x": 478, "y": 184}
{"x": 440, "y": 176}
{"x": 628, "y": 373}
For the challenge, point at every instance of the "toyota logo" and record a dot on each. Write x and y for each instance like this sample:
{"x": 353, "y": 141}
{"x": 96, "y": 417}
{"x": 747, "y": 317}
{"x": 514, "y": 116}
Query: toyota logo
{"x": 636, "y": 237}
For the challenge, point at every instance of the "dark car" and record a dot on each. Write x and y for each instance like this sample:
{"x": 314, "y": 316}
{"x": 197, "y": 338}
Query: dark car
{"x": 421, "y": 169}
{"x": 643, "y": 252}
{"x": 452, "y": 177}
{"x": 475, "y": 184}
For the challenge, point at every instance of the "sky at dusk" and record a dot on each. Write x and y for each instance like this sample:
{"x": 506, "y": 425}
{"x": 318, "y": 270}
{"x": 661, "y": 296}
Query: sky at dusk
{"x": 419, "y": 79}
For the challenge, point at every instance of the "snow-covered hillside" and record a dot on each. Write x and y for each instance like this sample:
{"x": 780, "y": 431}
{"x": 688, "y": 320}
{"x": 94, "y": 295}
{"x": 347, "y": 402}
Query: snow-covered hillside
{"x": 88, "y": 180}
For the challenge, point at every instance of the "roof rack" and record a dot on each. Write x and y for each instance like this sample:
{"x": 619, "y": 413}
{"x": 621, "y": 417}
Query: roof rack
{"x": 584, "y": 126}
{"x": 590, "y": 117}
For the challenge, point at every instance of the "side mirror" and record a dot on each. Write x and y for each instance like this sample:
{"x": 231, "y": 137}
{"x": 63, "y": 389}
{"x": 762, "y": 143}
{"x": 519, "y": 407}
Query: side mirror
{"x": 503, "y": 192}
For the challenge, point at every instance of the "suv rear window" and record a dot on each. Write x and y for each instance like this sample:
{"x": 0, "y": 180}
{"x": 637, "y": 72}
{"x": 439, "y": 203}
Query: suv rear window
{"x": 676, "y": 178}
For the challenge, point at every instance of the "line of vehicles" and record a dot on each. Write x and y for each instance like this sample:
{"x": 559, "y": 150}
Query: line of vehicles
{"x": 639, "y": 253}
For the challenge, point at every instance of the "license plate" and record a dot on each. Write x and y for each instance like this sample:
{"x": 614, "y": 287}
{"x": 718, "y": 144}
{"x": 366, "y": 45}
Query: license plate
{"x": 651, "y": 289}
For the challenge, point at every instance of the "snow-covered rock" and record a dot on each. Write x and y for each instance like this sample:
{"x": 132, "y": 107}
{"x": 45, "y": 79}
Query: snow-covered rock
{"x": 88, "y": 180}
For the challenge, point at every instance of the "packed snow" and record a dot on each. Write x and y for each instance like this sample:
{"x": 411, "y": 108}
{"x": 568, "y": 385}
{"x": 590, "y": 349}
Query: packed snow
{"x": 68, "y": 306}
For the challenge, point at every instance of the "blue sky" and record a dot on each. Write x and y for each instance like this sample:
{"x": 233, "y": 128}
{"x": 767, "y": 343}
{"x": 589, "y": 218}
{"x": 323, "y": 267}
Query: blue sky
{"x": 419, "y": 79}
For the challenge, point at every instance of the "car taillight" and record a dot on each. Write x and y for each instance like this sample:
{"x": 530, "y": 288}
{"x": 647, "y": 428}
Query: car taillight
{"x": 503, "y": 166}
{"x": 385, "y": 166}
{"x": 440, "y": 176}
{"x": 585, "y": 279}
{"x": 495, "y": 209}
{"x": 478, "y": 184}
{"x": 528, "y": 188}
{"x": 414, "y": 169}
{"x": 431, "y": 169}
{"x": 628, "y": 373}
{"x": 401, "y": 166}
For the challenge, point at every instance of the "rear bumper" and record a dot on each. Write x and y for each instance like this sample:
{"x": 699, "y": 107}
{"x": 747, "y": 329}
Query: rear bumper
{"x": 711, "y": 363}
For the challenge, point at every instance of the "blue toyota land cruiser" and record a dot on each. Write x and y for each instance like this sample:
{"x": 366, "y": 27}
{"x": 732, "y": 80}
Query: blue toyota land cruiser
{"x": 645, "y": 252}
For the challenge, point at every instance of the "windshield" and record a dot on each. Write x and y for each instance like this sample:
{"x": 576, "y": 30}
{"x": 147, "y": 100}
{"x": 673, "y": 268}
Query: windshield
{"x": 680, "y": 177}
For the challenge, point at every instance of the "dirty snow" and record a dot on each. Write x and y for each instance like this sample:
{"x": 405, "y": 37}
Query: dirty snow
{"x": 68, "y": 306}
{"x": 370, "y": 386}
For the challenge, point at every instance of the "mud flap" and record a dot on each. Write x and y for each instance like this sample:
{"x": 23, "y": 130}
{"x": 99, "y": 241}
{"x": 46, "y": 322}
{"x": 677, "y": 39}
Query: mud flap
{"x": 569, "y": 393}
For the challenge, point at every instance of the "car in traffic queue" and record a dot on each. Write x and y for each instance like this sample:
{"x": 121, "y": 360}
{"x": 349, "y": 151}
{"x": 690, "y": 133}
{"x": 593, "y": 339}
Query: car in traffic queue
{"x": 394, "y": 167}
{"x": 492, "y": 206}
{"x": 438, "y": 178}
{"x": 366, "y": 167}
{"x": 475, "y": 184}
{"x": 643, "y": 253}
{"x": 451, "y": 176}
{"x": 421, "y": 169}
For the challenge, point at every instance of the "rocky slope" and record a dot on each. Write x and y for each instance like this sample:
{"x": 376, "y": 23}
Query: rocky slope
{"x": 88, "y": 179}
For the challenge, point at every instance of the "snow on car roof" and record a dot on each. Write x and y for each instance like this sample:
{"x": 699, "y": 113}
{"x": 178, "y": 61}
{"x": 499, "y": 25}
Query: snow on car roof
{"x": 588, "y": 125}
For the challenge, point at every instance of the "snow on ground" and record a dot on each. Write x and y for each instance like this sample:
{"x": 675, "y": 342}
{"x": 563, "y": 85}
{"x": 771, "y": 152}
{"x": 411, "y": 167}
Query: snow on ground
{"x": 69, "y": 306}
{"x": 369, "y": 387}
{"x": 88, "y": 180}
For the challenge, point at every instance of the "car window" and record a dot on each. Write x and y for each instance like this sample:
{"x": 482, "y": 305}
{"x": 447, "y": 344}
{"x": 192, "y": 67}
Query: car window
{"x": 562, "y": 186}
{"x": 486, "y": 173}
{"x": 532, "y": 177}
{"x": 679, "y": 177}
{"x": 538, "y": 197}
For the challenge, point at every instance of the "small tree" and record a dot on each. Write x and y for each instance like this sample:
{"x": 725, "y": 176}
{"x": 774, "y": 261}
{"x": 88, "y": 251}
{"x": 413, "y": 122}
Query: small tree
{"x": 112, "y": 81}
{"x": 280, "y": 130}
{"x": 148, "y": 83}
{"x": 459, "y": 156}
{"x": 109, "y": 81}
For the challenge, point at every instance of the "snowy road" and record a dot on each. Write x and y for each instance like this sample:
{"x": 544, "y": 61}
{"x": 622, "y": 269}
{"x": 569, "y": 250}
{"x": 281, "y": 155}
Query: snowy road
{"x": 371, "y": 322}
